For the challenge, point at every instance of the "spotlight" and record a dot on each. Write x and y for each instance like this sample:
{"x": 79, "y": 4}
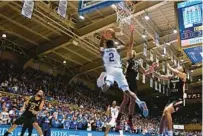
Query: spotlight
{"x": 64, "y": 62}
{"x": 175, "y": 31}
{"x": 146, "y": 17}
{"x": 144, "y": 36}
{"x": 113, "y": 6}
{"x": 3, "y": 35}
{"x": 81, "y": 17}
{"x": 192, "y": 70}
{"x": 116, "y": 43}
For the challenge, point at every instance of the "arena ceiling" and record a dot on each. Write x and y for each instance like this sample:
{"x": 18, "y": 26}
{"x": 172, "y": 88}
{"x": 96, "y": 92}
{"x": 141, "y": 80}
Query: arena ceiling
{"x": 50, "y": 38}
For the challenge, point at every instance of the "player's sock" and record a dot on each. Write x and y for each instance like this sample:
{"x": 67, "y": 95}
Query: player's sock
{"x": 118, "y": 120}
{"x": 130, "y": 122}
{"x": 170, "y": 133}
{"x": 130, "y": 117}
{"x": 7, "y": 133}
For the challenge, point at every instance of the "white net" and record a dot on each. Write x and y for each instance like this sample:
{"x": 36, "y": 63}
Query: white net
{"x": 124, "y": 11}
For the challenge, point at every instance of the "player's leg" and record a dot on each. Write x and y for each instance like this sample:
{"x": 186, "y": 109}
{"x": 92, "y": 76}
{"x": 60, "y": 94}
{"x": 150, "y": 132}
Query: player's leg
{"x": 11, "y": 129}
{"x": 122, "y": 108}
{"x": 105, "y": 81}
{"x": 108, "y": 127}
{"x": 30, "y": 128}
{"x": 122, "y": 83}
{"x": 167, "y": 116}
{"x": 38, "y": 128}
{"x": 19, "y": 121}
{"x": 23, "y": 130}
{"x": 131, "y": 107}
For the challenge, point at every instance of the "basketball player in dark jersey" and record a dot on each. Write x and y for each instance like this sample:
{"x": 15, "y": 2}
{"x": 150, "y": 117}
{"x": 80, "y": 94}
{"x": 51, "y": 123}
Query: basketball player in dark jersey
{"x": 32, "y": 106}
{"x": 132, "y": 70}
{"x": 177, "y": 93}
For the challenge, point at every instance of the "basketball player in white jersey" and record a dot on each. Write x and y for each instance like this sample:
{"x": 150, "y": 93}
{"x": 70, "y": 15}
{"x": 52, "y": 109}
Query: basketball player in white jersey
{"x": 114, "y": 72}
{"x": 114, "y": 110}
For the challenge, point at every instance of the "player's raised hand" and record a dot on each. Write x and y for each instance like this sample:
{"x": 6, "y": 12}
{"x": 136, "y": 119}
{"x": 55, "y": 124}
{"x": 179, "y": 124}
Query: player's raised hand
{"x": 132, "y": 27}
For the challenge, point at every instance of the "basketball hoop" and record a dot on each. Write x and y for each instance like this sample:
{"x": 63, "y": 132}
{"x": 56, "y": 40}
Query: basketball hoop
{"x": 124, "y": 11}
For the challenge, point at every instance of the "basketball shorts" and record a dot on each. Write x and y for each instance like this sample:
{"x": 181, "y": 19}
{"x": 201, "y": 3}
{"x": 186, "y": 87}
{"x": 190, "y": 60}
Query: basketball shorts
{"x": 112, "y": 123}
{"x": 25, "y": 120}
{"x": 116, "y": 75}
{"x": 177, "y": 103}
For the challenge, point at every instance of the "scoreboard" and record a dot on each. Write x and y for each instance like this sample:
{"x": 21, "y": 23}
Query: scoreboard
{"x": 190, "y": 22}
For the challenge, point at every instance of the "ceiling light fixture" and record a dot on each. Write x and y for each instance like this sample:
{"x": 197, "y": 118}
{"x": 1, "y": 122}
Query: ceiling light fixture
{"x": 75, "y": 43}
{"x": 81, "y": 17}
{"x": 3, "y": 35}
{"x": 192, "y": 70}
{"x": 64, "y": 62}
{"x": 113, "y": 6}
{"x": 116, "y": 43}
{"x": 146, "y": 17}
{"x": 144, "y": 34}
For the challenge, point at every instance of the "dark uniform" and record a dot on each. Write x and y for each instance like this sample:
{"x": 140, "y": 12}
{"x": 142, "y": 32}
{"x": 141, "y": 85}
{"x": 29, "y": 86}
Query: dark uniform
{"x": 176, "y": 92}
{"x": 28, "y": 116}
{"x": 132, "y": 72}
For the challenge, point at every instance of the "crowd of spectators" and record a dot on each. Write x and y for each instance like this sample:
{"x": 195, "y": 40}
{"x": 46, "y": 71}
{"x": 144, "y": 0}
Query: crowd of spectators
{"x": 72, "y": 106}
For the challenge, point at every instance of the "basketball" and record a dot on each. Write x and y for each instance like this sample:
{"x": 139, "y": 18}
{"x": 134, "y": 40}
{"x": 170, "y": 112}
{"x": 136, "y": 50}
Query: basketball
{"x": 109, "y": 33}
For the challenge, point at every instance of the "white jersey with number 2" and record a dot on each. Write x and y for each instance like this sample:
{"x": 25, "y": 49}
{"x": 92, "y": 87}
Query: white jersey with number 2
{"x": 111, "y": 58}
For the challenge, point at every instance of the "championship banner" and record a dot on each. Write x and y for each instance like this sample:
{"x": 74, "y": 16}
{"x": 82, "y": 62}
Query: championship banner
{"x": 160, "y": 87}
{"x": 172, "y": 56}
{"x": 156, "y": 39}
{"x": 138, "y": 76}
{"x": 178, "y": 63}
{"x": 143, "y": 79}
{"x": 164, "y": 52}
{"x": 145, "y": 50}
{"x": 141, "y": 62}
{"x": 151, "y": 82}
{"x": 151, "y": 56}
{"x": 175, "y": 62}
{"x": 156, "y": 85}
{"x": 164, "y": 67}
{"x": 164, "y": 89}
{"x": 167, "y": 89}
{"x": 27, "y": 9}
{"x": 188, "y": 74}
{"x": 62, "y": 8}
{"x": 157, "y": 61}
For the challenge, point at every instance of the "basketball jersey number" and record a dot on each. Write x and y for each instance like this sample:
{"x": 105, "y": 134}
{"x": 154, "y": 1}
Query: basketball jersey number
{"x": 32, "y": 107}
{"x": 111, "y": 57}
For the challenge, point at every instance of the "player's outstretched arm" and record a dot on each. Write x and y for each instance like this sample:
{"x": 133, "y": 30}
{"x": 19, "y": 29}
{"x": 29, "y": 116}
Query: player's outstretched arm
{"x": 148, "y": 71}
{"x": 130, "y": 45}
{"x": 163, "y": 77}
{"x": 178, "y": 73}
